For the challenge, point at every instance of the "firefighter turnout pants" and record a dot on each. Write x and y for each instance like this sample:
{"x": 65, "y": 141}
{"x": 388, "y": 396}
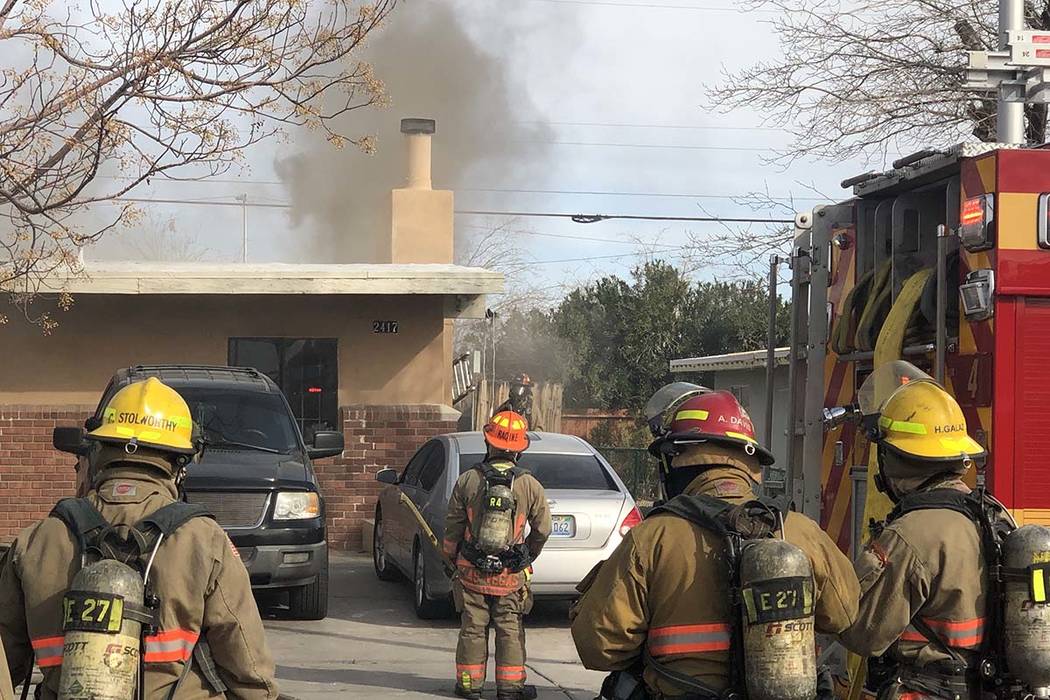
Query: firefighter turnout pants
{"x": 504, "y": 613}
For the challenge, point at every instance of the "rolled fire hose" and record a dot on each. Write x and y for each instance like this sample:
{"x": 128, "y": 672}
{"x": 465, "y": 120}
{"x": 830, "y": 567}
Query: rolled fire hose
{"x": 878, "y": 300}
{"x": 842, "y": 338}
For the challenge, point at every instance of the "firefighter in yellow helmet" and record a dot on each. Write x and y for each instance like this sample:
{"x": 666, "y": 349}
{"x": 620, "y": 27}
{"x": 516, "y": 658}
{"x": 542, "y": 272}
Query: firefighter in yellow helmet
{"x": 185, "y": 591}
{"x": 924, "y": 579}
{"x": 485, "y": 533}
{"x": 660, "y": 613}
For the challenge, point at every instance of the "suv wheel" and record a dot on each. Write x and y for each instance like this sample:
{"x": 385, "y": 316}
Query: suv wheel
{"x": 385, "y": 569}
{"x": 426, "y": 607}
{"x": 310, "y": 602}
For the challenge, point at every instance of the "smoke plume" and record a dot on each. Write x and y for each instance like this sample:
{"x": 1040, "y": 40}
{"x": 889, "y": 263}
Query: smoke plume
{"x": 434, "y": 67}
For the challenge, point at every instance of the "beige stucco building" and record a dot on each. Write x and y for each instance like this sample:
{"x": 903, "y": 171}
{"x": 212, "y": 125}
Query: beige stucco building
{"x": 365, "y": 347}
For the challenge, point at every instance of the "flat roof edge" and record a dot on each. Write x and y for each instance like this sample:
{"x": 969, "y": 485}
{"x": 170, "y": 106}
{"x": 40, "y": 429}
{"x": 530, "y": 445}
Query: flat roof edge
{"x": 749, "y": 359}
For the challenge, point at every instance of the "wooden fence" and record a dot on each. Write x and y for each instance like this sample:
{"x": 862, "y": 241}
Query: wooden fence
{"x": 546, "y": 405}
{"x": 582, "y": 422}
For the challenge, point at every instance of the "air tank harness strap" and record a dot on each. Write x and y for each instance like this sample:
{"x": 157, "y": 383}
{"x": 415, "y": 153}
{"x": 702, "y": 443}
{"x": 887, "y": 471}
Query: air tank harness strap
{"x": 83, "y": 521}
{"x": 696, "y": 689}
{"x": 515, "y": 559}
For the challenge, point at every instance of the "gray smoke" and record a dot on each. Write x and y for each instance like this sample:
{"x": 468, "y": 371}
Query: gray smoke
{"x": 432, "y": 67}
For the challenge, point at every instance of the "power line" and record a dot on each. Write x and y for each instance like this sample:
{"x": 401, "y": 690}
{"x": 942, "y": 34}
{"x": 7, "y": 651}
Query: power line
{"x": 512, "y": 190}
{"x": 697, "y": 127}
{"x": 205, "y": 180}
{"x": 577, "y": 218}
{"x": 205, "y": 202}
{"x": 673, "y": 146}
{"x": 658, "y": 6}
{"x": 631, "y": 194}
{"x": 594, "y": 218}
{"x": 602, "y": 257}
{"x": 565, "y": 236}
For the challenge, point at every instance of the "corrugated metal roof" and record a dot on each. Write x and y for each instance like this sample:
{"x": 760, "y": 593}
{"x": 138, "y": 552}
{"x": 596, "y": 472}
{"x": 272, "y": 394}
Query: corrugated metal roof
{"x": 733, "y": 360}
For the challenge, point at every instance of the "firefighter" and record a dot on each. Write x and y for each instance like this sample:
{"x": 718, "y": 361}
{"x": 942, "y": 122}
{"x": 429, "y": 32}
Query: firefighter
{"x": 205, "y": 636}
{"x": 520, "y": 397}
{"x": 485, "y": 534}
{"x": 657, "y": 613}
{"x": 924, "y": 579}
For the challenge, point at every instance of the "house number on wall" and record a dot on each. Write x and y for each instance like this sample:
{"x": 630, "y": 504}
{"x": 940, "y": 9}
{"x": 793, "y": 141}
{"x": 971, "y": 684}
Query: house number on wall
{"x": 384, "y": 326}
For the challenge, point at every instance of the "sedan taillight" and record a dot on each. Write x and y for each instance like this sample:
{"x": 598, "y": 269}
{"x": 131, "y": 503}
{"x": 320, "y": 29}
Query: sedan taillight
{"x": 632, "y": 519}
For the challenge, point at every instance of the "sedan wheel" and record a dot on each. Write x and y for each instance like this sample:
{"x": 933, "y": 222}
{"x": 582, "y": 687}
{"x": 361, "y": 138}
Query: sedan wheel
{"x": 385, "y": 569}
{"x": 426, "y": 608}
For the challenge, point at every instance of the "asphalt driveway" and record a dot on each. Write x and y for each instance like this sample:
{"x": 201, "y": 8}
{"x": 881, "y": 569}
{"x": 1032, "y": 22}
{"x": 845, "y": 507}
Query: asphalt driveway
{"x": 373, "y": 646}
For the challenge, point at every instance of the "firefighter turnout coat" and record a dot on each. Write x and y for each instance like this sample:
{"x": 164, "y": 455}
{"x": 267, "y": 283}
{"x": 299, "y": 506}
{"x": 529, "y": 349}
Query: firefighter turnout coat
{"x": 202, "y": 585}
{"x": 6, "y": 690}
{"x": 665, "y": 586}
{"x": 927, "y": 563}
{"x": 466, "y": 505}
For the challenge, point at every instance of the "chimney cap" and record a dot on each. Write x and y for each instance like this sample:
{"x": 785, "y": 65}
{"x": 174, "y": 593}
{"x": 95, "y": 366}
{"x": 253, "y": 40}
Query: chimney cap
{"x": 415, "y": 125}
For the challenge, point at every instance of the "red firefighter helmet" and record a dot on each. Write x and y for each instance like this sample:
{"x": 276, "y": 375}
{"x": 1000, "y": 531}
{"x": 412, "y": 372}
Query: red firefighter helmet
{"x": 716, "y": 416}
{"x": 507, "y": 431}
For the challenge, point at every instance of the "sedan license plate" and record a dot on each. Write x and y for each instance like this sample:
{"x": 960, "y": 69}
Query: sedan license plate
{"x": 563, "y": 526}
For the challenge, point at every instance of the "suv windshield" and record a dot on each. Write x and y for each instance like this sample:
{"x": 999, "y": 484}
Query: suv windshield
{"x": 574, "y": 472}
{"x": 252, "y": 419}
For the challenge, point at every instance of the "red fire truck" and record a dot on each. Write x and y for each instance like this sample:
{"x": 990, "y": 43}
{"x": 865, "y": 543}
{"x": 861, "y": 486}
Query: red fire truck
{"x": 943, "y": 261}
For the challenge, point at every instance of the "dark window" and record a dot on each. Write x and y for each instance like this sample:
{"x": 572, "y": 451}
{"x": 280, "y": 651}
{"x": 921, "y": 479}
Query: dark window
{"x": 251, "y": 418}
{"x": 410, "y": 476}
{"x": 578, "y": 472}
{"x": 306, "y": 369}
{"x": 434, "y": 467}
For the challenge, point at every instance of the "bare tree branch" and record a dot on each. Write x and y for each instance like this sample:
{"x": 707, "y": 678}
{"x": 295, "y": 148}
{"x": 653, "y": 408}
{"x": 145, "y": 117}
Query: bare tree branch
{"x": 864, "y": 78}
{"x": 151, "y": 88}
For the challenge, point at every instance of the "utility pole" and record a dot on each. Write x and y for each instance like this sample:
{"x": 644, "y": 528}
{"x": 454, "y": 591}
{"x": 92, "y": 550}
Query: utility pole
{"x": 243, "y": 199}
{"x": 1010, "y": 113}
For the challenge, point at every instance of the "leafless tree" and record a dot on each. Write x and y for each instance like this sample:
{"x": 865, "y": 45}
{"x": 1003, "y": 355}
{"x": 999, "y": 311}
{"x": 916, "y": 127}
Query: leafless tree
{"x": 741, "y": 252}
{"x": 155, "y": 88}
{"x": 863, "y": 78}
{"x": 162, "y": 241}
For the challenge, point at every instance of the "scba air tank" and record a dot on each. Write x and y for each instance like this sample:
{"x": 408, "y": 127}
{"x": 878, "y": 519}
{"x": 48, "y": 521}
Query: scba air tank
{"x": 776, "y": 582}
{"x": 1026, "y": 607}
{"x": 100, "y": 658}
{"x": 497, "y": 520}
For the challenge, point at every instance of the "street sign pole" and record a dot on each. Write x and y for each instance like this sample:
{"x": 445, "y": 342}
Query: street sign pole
{"x": 1018, "y": 73}
{"x": 1010, "y": 114}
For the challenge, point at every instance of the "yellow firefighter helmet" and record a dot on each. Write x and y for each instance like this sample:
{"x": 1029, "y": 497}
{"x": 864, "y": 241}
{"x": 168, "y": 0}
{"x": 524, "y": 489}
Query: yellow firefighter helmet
{"x": 922, "y": 420}
{"x": 148, "y": 413}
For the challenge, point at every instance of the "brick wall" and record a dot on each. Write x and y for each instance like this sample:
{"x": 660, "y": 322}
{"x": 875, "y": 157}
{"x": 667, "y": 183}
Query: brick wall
{"x": 376, "y": 437}
{"x": 33, "y": 475}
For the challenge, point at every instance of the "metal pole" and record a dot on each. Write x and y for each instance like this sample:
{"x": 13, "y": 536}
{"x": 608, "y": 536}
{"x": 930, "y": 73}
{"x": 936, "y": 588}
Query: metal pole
{"x": 1009, "y": 115}
{"x": 243, "y": 199}
{"x": 794, "y": 361}
{"x": 771, "y": 341}
{"x": 942, "y": 301}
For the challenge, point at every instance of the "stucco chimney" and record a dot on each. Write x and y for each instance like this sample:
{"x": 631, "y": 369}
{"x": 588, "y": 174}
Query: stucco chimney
{"x": 421, "y": 218}
{"x": 418, "y": 133}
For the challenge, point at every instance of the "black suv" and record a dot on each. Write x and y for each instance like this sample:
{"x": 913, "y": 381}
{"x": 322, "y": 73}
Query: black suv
{"x": 255, "y": 474}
